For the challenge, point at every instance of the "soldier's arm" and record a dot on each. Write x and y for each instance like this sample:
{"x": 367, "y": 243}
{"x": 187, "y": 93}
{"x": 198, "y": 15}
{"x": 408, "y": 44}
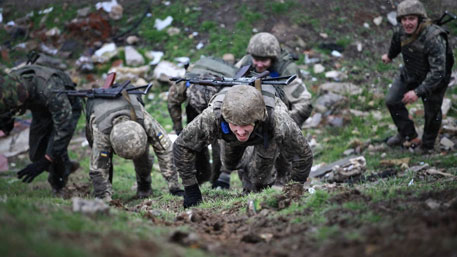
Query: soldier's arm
{"x": 395, "y": 44}
{"x": 436, "y": 49}
{"x": 298, "y": 95}
{"x": 196, "y": 135}
{"x": 294, "y": 146}
{"x": 64, "y": 121}
{"x": 162, "y": 147}
{"x": 176, "y": 96}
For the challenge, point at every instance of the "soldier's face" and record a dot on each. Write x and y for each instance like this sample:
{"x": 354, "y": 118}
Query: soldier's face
{"x": 261, "y": 64}
{"x": 242, "y": 133}
{"x": 410, "y": 23}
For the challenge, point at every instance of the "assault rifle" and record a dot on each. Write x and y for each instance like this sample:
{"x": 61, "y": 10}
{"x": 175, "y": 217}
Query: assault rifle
{"x": 449, "y": 17}
{"x": 225, "y": 82}
{"x": 112, "y": 92}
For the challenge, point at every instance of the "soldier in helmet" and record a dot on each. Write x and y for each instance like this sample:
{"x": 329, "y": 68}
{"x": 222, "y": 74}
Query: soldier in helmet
{"x": 426, "y": 73}
{"x": 54, "y": 119}
{"x": 253, "y": 128}
{"x": 198, "y": 97}
{"x": 264, "y": 53}
{"x": 122, "y": 126}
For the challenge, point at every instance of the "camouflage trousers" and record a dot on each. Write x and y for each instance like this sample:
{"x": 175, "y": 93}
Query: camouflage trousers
{"x": 255, "y": 164}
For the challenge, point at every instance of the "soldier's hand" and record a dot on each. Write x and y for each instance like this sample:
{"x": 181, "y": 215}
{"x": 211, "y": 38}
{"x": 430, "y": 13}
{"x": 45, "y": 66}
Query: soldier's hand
{"x": 385, "y": 58}
{"x": 410, "y": 97}
{"x": 7, "y": 125}
{"x": 29, "y": 173}
{"x": 192, "y": 196}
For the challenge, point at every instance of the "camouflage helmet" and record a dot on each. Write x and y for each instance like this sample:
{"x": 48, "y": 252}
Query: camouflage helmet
{"x": 128, "y": 139}
{"x": 264, "y": 45}
{"x": 411, "y": 7}
{"x": 12, "y": 94}
{"x": 243, "y": 105}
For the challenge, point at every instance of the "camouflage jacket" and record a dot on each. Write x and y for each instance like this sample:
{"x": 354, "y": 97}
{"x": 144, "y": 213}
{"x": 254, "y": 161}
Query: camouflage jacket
{"x": 206, "y": 128}
{"x": 424, "y": 56}
{"x": 40, "y": 82}
{"x": 296, "y": 92}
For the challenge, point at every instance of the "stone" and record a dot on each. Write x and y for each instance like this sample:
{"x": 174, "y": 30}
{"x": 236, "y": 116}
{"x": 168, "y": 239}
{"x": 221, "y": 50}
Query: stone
{"x": 341, "y": 88}
{"x": 377, "y": 21}
{"x": 133, "y": 57}
{"x": 318, "y": 68}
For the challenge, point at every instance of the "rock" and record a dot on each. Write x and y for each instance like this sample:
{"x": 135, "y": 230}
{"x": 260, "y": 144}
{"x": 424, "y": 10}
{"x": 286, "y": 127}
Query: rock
{"x": 310, "y": 60}
{"x": 313, "y": 121}
{"x": 173, "y": 31}
{"x": 335, "y": 121}
{"x": 447, "y": 143}
{"x": 329, "y": 100}
{"x": 377, "y": 21}
{"x": 348, "y": 152}
{"x": 133, "y": 57}
{"x": 54, "y": 32}
{"x": 49, "y": 61}
{"x": 83, "y": 12}
{"x": 84, "y": 64}
{"x": 199, "y": 46}
{"x": 432, "y": 204}
{"x": 341, "y": 88}
{"x": 133, "y": 74}
{"x": 323, "y": 35}
{"x": 392, "y": 18}
{"x": 366, "y": 25}
{"x": 446, "y": 106}
{"x": 156, "y": 56}
{"x": 229, "y": 58}
{"x": 182, "y": 60}
{"x": 166, "y": 69}
{"x": 48, "y": 49}
{"x": 359, "y": 46}
{"x": 161, "y": 24}
{"x": 131, "y": 40}
{"x": 105, "y": 53}
{"x": 335, "y": 75}
{"x": 116, "y": 12}
{"x": 318, "y": 68}
{"x": 89, "y": 206}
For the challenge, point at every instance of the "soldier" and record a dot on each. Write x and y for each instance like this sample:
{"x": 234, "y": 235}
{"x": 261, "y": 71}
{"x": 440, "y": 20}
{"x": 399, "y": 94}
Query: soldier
{"x": 253, "y": 128}
{"x": 122, "y": 126}
{"x": 54, "y": 119}
{"x": 426, "y": 73}
{"x": 198, "y": 97}
{"x": 265, "y": 53}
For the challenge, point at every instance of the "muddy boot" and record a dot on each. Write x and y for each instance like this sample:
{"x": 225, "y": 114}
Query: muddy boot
{"x": 396, "y": 140}
{"x": 223, "y": 182}
{"x": 413, "y": 143}
{"x": 143, "y": 191}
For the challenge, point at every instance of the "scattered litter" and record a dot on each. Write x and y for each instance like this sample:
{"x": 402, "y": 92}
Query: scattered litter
{"x": 161, "y": 24}
{"x": 106, "y": 6}
{"x": 411, "y": 182}
{"x": 311, "y": 190}
{"x": 46, "y": 11}
{"x": 336, "y": 54}
{"x": 156, "y": 56}
{"x": 199, "y": 46}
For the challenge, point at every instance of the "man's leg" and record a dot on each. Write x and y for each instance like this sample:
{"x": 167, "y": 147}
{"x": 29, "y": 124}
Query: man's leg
{"x": 143, "y": 168}
{"x": 399, "y": 113}
{"x": 433, "y": 118}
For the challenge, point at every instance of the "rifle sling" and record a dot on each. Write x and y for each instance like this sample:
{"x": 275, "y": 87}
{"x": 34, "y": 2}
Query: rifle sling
{"x": 132, "y": 110}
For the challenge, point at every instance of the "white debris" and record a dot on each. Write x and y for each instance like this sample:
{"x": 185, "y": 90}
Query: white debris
{"x": 105, "y": 53}
{"x": 53, "y": 32}
{"x": 165, "y": 69}
{"x": 161, "y": 24}
{"x": 116, "y": 12}
{"x": 48, "y": 49}
{"x": 366, "y": 25}
{"x": 46, "y": 11}
{"x": 336, "y": 54}
{"x": 323, "y": 35}
{"x": 392, "y": 18}
{"x": 335, "y": 75}
{"x": 377, "y": 21}
{"x": 131, "y": 40}
{"x": 106, "y": 6}
{"x": 156, "y": 56}
{"x": 310, "y": 60}
{"x": 341, "y": 88}
{"x": 109, "y": 47}
{"x": 182, "y": 60}
{"x": 318, "y": 68}
{"x": 446, "y": 106}
{"x": 447, "y": 143}
{"x": 359, "y": 46}
{"x": 199, "y": 45}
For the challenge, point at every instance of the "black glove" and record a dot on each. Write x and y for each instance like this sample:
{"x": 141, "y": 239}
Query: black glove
{"x": 7, "y": 125}
{"x": 32, "y": 170}
{"x": 192, "y": 196}
{"x": 177, "y": 192}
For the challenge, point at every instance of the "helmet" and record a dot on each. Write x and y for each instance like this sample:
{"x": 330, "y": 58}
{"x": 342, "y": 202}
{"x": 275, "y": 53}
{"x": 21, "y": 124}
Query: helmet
{"x": 264, "y": 45}
{"x": 243, "y": 105}
{"x": 411, "y": 7}
{"x": 12, "y": 94}
{"x": 128, "y": 139}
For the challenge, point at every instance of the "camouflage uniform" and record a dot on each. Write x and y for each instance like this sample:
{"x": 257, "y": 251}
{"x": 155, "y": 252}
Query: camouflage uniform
{"x": 427, "y": 71}
{"x": 254, "y": 158}
{"x": 297, "y": 95}
{"x": 198, "y": 97}
{"x": 102, "y": 115}
{"x": 54, "y": 117}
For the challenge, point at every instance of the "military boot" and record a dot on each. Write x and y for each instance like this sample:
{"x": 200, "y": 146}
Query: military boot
{"x": 396, "y": 140}
{"x": 143, "y": 191}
